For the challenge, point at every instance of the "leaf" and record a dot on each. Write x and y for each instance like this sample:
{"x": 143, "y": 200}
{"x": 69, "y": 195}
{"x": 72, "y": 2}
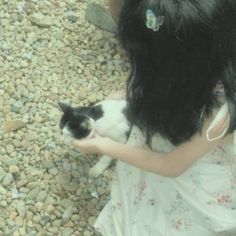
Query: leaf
{"x": 13, "y": 125}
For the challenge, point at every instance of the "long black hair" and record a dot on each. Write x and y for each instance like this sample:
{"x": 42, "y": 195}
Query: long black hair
{"x": 175, "y": 69}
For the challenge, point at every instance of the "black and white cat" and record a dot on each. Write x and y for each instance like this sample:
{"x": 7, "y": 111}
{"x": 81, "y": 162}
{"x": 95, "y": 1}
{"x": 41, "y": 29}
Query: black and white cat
{"x": 107, "y": 118}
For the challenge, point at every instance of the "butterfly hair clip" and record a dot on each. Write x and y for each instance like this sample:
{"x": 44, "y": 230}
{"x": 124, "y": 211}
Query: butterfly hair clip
{"x": 154, "y": 22}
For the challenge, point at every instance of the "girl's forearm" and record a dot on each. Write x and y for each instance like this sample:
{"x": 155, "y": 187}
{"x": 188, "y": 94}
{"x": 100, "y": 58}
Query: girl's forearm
{"x": 170, "y": 164}
{"x": 144, "y": 159}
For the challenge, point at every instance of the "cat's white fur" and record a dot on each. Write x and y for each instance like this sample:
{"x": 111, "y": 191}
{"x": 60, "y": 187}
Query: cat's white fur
{"x": 114, "y": 125}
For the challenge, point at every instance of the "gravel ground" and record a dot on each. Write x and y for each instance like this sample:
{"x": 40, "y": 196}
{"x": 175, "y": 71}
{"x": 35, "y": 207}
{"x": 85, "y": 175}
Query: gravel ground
{"x": 49, "y": 52}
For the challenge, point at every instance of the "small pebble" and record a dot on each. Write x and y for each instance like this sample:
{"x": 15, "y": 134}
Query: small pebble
{"x": 10, "y": 148}
{"x": 53, "y": 171}
{"x": 72, "y": 17}
{"x": 67, "y": 214}
{"x": 7, "y": 179}
{"x": 44, "y": 184}
{"x": 2, "y": 173}
{"x": 13, "y": 169}
{"x": 2, "y": 222}
{"x": 67, "y": 232}
{"x": 19, "y": 221}
{"x": 41, "y": 196}
{"x": 41, "y": 20}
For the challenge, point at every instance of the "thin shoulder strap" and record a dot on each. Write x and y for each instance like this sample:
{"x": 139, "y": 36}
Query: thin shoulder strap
{"x": 219, "y": 126}
{"x": 235, "y": 144}
{"x": 234, "y": 159}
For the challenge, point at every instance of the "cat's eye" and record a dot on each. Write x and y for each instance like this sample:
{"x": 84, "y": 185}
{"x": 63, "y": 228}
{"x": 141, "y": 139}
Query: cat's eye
{"x": 86, "y": 125}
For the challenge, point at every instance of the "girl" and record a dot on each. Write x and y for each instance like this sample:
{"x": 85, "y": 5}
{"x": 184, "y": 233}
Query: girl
{"x": 183, "y": 87}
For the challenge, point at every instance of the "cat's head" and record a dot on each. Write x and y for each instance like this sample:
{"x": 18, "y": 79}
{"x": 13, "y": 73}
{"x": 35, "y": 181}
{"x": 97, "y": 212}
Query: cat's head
{"x": 75, "y": 121}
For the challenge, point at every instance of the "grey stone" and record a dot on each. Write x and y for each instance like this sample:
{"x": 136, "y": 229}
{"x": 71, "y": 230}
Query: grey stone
{"x": 53, "y": 171}
{"x": 2, "y": 222}
{"x": 72, "y": 17}
{"x": 19, "y": 205}
{"x": 49, "y": 146}
{"x": 99, "y": 16}
{"x": 67, "y": 232}
{"x": 63, "y": 178}
{"x": 19, "y": 221}
{"x": 8, "y": 179}
{"x": 10, "y": 148}
{"x": 13, "y": 169}
{"x": 2, "y": 173}
{"x": 41, "y": 196}
{"x": 33, "y": 194}
{"x": 66, "y": 166}
{"x": 16, "y": 106}
{"x": 91, "y": 220}
{"x": 66, "y": 203}
{"x": 3, "y": 191}
{"x": 87, "y": 233}
{"x": 47, "y": 164}
{"x": 45, "y": 219}
{"x": 15, "y": 193}
{"x": 41, "y": 20}
{"x": 3, "y": 203}
{"x": 67, "y": 214}
{"x": 43, "y": 60}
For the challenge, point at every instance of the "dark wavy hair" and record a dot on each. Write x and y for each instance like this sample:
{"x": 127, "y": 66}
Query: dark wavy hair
{"x": 175, "y": 70}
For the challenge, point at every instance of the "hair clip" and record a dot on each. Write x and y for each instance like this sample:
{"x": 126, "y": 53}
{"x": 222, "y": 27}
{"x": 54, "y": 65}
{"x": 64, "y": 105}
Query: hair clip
{"x": 153, "y": 22}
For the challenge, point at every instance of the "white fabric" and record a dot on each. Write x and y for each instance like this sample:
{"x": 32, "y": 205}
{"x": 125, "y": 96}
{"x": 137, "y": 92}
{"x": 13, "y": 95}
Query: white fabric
{"x": 235, "y": 142}
{"x": 222, "y": 118}
{"x": 200, "y": 202}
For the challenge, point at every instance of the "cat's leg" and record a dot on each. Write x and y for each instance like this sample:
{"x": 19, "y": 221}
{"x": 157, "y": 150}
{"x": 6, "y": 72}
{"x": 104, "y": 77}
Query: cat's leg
{"x": 100, "y": 166}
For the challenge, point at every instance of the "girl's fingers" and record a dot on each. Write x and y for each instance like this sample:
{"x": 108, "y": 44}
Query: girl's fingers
{"x": 76, "y": 142}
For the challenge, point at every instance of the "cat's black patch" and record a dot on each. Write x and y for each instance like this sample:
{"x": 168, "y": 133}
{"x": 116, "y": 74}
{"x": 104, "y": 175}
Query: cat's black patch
{"x": 127, "y": 133}
{"x": 96, "y": 112}
{"x": 76, "y": 120}
{"x": 76, "y": 127}
{"x": 80, "y": 122}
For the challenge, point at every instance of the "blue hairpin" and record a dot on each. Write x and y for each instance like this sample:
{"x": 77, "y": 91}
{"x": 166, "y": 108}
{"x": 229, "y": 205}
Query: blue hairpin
{"x": 153, "y": 22}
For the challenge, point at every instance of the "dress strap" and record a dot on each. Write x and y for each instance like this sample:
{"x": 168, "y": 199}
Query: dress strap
{"x": 235, "y": 144}
{"x": 234, "y": 159}
{"x": 219, "y": 125}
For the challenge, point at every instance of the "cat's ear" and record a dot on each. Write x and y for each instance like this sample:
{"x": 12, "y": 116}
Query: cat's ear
{"x": 64, "y": 107}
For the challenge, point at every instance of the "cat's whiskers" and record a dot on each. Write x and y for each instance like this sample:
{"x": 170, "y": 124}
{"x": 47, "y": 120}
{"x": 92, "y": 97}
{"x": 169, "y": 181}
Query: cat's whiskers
{"x": 106, "y": 119}
{"x": 92, "y": 133}
{"x": 91, "y": 126}
{"x": 66, "y": 135}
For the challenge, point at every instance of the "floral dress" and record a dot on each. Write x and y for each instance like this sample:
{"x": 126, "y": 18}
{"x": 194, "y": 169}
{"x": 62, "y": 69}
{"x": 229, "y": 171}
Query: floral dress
{"x": 200, "y": 202}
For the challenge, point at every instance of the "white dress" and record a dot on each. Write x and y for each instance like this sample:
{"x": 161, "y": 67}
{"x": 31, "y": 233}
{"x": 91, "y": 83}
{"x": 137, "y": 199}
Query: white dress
{"x": 200, "y": 202}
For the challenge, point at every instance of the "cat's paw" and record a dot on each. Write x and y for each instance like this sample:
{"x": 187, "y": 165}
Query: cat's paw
{"x": 97, "y": 169}
{"x": 100, "y": 166}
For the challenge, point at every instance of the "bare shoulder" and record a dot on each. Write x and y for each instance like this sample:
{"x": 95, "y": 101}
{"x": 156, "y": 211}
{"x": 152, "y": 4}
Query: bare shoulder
{"x": 186, "y": 154}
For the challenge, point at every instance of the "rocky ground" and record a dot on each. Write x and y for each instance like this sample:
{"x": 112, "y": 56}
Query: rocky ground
{"x": 50, "y": 52}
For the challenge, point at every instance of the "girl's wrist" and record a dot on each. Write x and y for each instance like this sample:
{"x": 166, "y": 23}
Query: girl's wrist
{"x": 106, "y": 146}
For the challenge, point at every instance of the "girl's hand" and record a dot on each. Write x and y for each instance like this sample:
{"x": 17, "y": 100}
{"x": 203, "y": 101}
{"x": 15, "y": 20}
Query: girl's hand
{"x": 93, "y": 145}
